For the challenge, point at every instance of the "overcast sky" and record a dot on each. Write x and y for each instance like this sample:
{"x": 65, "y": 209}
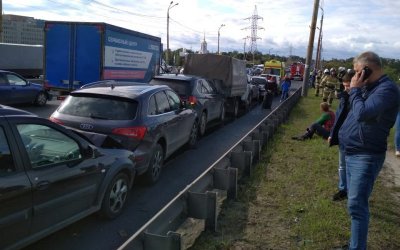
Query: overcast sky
{"x": 349, "y": 27}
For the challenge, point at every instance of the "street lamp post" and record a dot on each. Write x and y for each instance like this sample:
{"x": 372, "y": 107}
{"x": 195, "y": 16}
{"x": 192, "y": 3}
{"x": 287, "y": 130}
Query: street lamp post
{"x": 222, "y": 25}
{"x": 169, "y": 7}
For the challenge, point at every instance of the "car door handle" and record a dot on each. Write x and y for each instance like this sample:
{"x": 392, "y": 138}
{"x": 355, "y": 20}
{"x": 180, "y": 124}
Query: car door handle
{"x": 42, "y": 185}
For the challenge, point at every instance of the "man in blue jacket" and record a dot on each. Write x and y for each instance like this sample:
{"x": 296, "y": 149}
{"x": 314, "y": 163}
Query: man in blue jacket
{"x": 374, "y": 102}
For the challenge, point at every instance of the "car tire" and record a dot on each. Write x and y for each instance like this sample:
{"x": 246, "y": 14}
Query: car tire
{"x": 115, "y": 196}
{"x": 155, "y": 166}
{"x": 193, "y": 135}
{"x": 202, "y": 123}
{"x": 41, "y": 99}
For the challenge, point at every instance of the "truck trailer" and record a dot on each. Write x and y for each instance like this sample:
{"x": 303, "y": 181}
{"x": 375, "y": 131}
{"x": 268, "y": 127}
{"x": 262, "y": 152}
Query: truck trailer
{"x": 23, "y": 59}
{"x": 228, "y": 74}
{"x": 77, "y": 53}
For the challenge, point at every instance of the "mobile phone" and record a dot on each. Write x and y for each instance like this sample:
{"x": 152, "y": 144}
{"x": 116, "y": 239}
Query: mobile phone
{"x": 367, "y": 72}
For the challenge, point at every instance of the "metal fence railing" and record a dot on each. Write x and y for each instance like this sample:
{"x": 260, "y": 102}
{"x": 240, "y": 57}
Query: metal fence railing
{"x": 198, "y": 204}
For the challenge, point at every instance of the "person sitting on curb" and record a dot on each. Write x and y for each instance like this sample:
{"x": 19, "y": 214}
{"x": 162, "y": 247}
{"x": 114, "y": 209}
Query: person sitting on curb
{"x": 322, "y": 126}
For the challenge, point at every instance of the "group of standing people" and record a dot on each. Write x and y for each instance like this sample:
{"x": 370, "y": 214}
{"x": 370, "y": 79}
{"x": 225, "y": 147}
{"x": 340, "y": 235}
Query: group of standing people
{"x": 369, "y": 105}
{"x": 329, "y": 82}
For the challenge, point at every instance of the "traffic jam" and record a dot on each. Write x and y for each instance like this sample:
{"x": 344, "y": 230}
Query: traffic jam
{"x": 120, "y": 119}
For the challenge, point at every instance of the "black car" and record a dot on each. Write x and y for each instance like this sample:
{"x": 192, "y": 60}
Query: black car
{"x": 51, "y": 177}
{"x": 149, "y": 120}
{"x": 199, "y": 93}
{"x": 260, "y": 82}
{"x": 15, "y": 89}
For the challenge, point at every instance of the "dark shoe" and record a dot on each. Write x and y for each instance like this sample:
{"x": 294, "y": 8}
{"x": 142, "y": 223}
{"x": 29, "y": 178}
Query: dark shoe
{"x": 299, "y": 138}
{"x": 341, "y": 195}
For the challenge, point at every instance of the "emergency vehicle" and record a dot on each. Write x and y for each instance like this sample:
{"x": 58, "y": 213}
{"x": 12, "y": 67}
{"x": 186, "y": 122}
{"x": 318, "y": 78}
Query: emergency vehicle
{"x": 297, "y": 71}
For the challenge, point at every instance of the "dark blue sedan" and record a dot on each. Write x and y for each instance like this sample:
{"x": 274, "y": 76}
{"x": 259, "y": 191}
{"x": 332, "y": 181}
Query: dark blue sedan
{"x": 15, "y": 89}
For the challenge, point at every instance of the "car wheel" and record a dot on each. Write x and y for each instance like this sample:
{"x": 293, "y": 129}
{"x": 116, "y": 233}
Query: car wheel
{"x": 203, "y": 123}
{"x": 156, "y": 163}
{"x": 41, "y": 99}
{"x": 193, "y": 135}
{"x": 115, "y": 196}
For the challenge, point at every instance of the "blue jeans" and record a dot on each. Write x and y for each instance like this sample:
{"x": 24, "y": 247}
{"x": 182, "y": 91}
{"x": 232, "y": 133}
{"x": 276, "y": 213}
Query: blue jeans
{"x": 342, "y": 171}
{"x": 362, "y": 171}
{"x": 319, "y": 129}
{"x": 285, "y": 95}
{"x": 397, "y": 133}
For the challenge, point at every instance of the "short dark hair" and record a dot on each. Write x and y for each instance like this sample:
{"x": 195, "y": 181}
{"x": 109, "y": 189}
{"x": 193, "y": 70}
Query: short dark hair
{"x": 346, "y": 78}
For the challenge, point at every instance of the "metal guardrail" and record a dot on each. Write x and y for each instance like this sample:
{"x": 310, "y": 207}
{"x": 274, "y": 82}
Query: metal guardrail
{"x": 199, "y": 200}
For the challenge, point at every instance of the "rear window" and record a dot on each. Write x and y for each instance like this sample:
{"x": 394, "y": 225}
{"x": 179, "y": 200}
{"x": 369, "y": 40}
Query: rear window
{"x": 99, "y": 107}
{"x": 180, "y": 87}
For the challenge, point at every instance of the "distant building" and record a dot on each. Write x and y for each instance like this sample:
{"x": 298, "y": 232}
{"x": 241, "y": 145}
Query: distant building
{"x": 22, "y": 30}
{"x": 203, "y": 46}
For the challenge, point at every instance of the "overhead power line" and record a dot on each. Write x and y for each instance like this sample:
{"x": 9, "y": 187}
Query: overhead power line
{"x": 254, "y": 28}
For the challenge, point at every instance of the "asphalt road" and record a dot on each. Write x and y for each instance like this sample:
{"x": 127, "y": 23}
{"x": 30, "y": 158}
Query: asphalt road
{"x": 144, "y": 202}
{"x": 44, "y": 111}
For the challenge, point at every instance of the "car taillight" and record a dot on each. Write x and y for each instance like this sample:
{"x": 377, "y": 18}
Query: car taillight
{"x": 133, "y": 132}
{"x": 192, "y": 100}
{"x": 56, "y": 120}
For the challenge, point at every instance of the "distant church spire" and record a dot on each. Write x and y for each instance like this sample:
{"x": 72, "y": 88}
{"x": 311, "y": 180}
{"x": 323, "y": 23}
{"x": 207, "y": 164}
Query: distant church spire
{"x": 203, "y": 46}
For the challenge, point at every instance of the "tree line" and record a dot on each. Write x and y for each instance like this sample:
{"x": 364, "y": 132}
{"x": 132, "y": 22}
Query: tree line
{"x": 391, "y": 66}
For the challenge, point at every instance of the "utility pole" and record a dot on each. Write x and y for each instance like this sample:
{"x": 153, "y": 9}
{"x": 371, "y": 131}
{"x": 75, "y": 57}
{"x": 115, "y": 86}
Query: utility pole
{"x": 167, "y": 54}
{"x": 244, "y": 47}
{"x": 254, "y": 27}
{"x": 222, "y": 25}
{"x": 310, "y": 49}
{"x": 319, "y": 47}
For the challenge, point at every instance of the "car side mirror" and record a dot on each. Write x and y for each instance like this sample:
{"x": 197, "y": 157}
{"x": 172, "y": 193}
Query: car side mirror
{"x": 91, "y": 152}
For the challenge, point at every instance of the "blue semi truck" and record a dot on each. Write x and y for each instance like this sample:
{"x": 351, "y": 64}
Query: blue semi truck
{"x": 77, "y": 53}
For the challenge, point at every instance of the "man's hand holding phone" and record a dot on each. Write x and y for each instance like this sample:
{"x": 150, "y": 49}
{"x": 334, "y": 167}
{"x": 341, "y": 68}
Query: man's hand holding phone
{"x": 359, "y": 79}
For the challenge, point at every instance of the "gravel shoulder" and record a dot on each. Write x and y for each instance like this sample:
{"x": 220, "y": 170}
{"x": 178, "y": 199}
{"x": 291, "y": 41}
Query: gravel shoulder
{"x": 392, "y": 168}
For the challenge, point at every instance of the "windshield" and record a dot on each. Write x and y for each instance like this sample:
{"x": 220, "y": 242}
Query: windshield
{"x": 272, "y": 71}
{"x": 181, "y": 87}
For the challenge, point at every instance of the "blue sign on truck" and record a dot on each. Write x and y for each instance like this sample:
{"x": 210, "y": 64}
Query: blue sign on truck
{"x": 77, "y": 53}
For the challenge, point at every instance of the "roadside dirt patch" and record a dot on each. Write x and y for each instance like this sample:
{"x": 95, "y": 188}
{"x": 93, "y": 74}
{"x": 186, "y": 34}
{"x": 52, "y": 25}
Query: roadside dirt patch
{"x": 391, "y": 170}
